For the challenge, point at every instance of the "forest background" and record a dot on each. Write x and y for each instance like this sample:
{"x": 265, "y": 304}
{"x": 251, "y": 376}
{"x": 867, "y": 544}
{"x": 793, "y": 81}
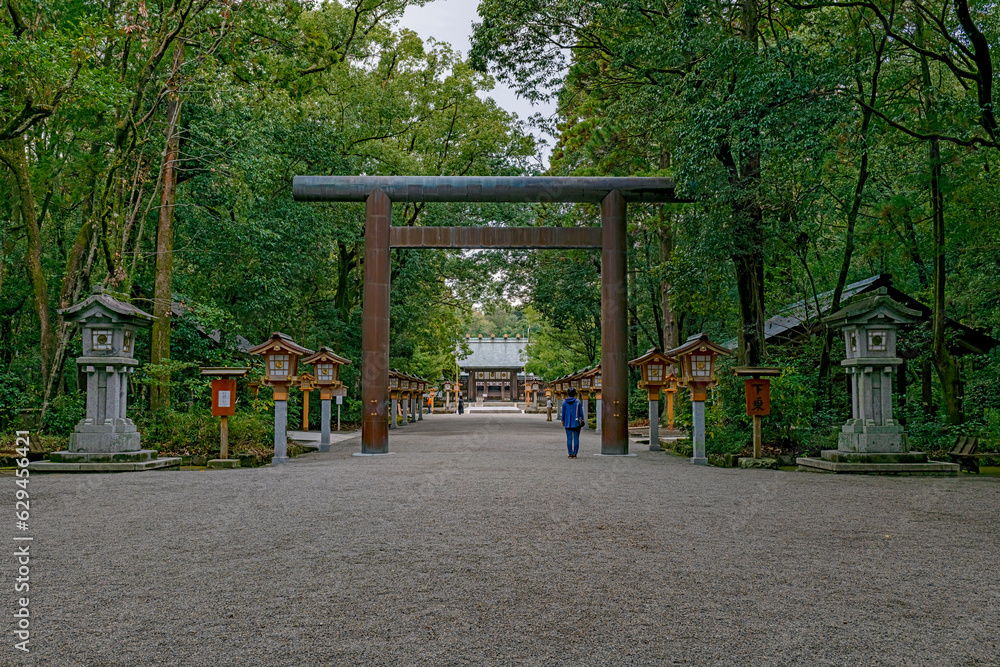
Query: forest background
{"x": 149, "y": 146}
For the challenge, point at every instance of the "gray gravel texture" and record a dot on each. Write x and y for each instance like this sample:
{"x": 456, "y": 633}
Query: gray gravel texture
{"x": 480, "y": 542}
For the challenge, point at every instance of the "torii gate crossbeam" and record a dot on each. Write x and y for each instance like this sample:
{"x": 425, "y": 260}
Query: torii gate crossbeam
{"x": 378, "y": 193}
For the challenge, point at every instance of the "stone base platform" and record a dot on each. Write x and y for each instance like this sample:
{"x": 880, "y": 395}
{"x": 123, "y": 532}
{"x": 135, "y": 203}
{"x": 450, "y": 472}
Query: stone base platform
{"x": 224, "y": 463}
{"x": 121, "y": 466}
{"x": 887, "y": 463}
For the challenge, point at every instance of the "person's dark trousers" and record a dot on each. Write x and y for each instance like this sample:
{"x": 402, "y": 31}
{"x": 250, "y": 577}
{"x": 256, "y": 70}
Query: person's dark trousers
{"x": 573, "y": 441}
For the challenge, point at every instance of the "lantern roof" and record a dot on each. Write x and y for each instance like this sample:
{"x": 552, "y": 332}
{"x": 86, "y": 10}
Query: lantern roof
{"x": 757, "y": 371}
{"x": 879, "y": 306}
{"x": 231, "y": 371}
{"x": 591, "y": 372}
{"x": 699, "y": 342}
{"x": 279, "y": 342}
{"x": 325, "y": 355}
{"x": 653, "y": 355}
{"x": 103, "y": 305}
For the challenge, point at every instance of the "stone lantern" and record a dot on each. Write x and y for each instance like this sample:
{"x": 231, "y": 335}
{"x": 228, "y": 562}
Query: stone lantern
{"x": 327, "y": 365}
{"x": 281, "y": 363}
{"x": 446, "y": 386}
{"x": 871, "y": 440}
{"x": 654, "y": 367}
{"x": 106, "y": 439}
{"x": 697, "y": 360}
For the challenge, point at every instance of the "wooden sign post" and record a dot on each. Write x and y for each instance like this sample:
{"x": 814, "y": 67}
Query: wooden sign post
{"x": 224, "y": 405}
{"x": 757, "y": 388}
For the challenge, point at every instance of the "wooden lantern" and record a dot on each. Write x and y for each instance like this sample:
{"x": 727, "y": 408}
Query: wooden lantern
{"x": 655, "y": 371}
{"x": 327, "y": 366}
{"x": 697, "y": 364}
{"x": 281, "y": 362}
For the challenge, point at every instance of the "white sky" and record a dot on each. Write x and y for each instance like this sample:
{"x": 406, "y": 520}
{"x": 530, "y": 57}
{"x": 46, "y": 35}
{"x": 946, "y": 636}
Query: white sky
{"x": 451, "y": 21}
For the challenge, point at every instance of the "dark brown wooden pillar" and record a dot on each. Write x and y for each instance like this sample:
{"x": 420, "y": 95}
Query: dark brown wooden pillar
{"x": 614, "y": 309}
{"x": 375, "y": 327}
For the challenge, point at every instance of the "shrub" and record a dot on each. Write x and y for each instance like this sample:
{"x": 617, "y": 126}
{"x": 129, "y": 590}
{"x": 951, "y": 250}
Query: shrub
{"x": 64, "y": 412}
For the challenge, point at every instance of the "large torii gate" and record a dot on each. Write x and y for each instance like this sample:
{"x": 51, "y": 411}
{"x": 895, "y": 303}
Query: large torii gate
{"x": 378, "y": 193}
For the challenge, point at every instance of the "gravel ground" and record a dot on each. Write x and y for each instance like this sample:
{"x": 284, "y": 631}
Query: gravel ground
{"x": 479, "y": 542}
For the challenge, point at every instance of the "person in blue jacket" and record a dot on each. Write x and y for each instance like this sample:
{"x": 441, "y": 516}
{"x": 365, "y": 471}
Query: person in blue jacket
{"x": 572, "y": 419}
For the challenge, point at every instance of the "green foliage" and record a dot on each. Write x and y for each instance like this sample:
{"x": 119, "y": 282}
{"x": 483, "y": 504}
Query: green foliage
{"x": 65, "y": 412}
{"x": 197, "y": 433}
{"x": 12, "y": 399}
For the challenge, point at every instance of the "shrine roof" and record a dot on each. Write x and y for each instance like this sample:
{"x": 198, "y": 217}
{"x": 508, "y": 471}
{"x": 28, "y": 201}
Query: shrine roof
{"x": 495, "y": 353}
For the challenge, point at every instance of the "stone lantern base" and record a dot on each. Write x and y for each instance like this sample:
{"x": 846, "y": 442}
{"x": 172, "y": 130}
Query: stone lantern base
{"x": 876, "y": 463}
{"x": 871, "y": 449}
{"x": 104, "y": 448}
{"x": 144, "y": 459}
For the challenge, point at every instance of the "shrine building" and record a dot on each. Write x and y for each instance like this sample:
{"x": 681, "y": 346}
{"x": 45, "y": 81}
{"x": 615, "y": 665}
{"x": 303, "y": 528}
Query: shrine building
{"x": 495, "y": 369}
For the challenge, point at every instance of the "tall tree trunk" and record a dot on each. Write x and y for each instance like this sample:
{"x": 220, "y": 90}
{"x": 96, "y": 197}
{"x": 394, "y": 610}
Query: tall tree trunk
{"x": 17, "y": 160}
{"x": 670, "y": 333}
{"x": 852, "y": 213}
{"x": 665, "y": 233}
{"x": 944, "y": 363}
{"x": 159, "y": 395}
{"x": 748, "y": 219}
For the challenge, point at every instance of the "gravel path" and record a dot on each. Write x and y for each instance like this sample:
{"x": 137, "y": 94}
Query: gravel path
{"x": 479, "y": 542}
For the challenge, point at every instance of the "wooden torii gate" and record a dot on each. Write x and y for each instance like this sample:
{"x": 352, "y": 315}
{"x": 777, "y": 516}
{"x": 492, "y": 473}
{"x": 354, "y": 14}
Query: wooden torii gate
{"x": 378, "y": 193}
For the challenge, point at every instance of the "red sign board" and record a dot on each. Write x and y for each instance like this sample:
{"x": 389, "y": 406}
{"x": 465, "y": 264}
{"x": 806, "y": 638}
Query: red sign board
{"x": 758, "y": 391}
{"x": 223, "y": 397}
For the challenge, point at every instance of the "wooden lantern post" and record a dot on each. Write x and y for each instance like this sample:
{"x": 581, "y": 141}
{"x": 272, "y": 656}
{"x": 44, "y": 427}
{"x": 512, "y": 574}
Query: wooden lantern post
{"x": 670, "y": 389}
{"x": 433, "y": 392}
{"x": 654, "y": 366}
{"x": 223, "y": 406}
{"x": 327, "y": 365}
{"x": 305, "y": 382}
{"x": 281, "y": 363}
{"x": 697, "y": 360}
{"x": 757, "y": 388}
{"x": 394, "y": 381}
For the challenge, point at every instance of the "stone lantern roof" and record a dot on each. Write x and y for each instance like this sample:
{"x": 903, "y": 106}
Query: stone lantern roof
{"x": 879, "y": 306}
{"x": 101, "y": 304}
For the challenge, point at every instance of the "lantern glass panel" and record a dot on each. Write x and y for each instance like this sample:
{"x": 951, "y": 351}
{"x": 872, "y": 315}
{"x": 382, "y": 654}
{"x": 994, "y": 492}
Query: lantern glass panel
{"x": 585, "y": 383}
{"x": 324, "y": 372}
{"x": 854, "y": 342}
{"x": 277, "y": 365}
{"x": 701, "y": 365}
{"x": 127, "y": 341}
{"x": 597, "y": 380}
{"x": 100, "y": 339}
{"x": 877, "y": 341}
{"x": 654, "y": 373}
{"x": 393, "y": 383}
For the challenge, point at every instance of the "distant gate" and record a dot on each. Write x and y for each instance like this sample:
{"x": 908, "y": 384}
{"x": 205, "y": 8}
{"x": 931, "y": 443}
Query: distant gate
{"x": 378, "y": 192}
